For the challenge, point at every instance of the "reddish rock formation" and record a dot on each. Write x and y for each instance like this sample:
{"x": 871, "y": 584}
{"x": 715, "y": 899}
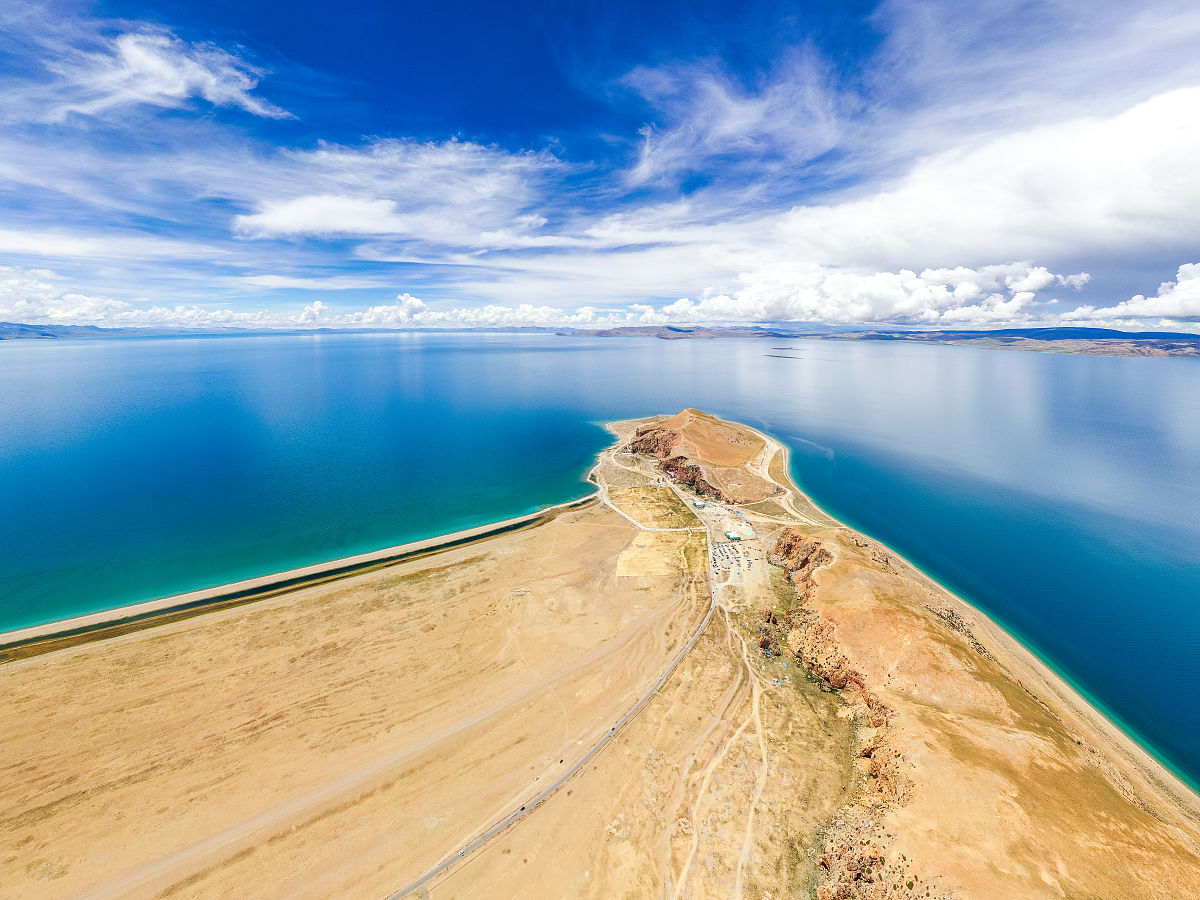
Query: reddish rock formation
{"x": 811, "y": 640}
{"x": 854, "y": 859}
{"x": 684, "y": 471}
{"x": 800, "y": 555}
{"x": 855, "y": 863}
{"x": 654, "y": 440}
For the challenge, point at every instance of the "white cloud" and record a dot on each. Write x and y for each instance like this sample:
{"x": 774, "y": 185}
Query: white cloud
{"x": 1178, "y": 299}
{"x": 103, "y": 246}
{"x": 94, "y": 73}
{"x": 1077, "y": 187}
{"x": 961, "y": 144}
{"x": 811, "y": 293}
{"x": 451, "y": 191}
{"x": 323, "y": 214}
{"x": 933, "y": 297}
{"x": 38, "y": 296}
{"x": 411, "y": 312}
{"x": 1035, "y": 279}
{"x": 954, "y": 74}
{"x": 149, "y": 66}
{"x": 310, "y": 283}
{"x": 1084, "y": 185}
{"x": 790, "y": 118}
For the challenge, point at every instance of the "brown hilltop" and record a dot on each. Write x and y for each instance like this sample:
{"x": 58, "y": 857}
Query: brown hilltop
{"x": 710, "y": 456}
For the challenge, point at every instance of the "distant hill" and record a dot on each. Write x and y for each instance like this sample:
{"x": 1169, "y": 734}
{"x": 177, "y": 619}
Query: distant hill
{"x": 679, "y": 332}
{"x": 1090, "y": 341}
{"x": 1041, "y": 334}
{"x": 15, "y": 331}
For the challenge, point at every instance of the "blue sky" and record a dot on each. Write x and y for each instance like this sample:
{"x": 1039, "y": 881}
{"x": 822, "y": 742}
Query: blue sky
{"x": 574, "y": 163}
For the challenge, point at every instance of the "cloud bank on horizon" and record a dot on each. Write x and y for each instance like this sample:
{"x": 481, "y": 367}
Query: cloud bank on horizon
{"x": 931, "y": 164}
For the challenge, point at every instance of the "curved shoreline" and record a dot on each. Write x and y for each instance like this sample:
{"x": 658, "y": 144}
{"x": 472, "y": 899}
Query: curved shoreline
{"x": 1089, "y": 712}
{"x": 1079, "y": 702}
{"x": 35, "y": 640}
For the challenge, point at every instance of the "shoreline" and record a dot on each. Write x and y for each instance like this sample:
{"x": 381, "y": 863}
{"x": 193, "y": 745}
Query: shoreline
{"x": 626, "y": 701}
{"x": 1086, "y": 710}
{"x": 1136, "y": 751}
{"x": 34, "y": 640}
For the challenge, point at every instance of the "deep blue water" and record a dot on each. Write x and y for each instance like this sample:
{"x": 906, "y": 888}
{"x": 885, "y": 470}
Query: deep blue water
{"x": 1060, "y": 494}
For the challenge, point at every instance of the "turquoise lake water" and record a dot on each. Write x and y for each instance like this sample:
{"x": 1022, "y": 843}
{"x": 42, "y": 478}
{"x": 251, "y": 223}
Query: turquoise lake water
{"x": 1059, "y": 494}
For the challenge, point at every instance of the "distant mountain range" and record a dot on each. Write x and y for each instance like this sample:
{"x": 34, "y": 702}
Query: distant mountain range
{"x": 1091, "y": 341}
{"x": 14, "y": 331}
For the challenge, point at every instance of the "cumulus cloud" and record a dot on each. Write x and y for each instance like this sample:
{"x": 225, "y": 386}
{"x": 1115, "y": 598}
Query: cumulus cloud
{"x": 410, "y": 312}
{"x": 932, "y": 297}
{"x": 150, "y": 66}
{"x": 323, "y": 214}
{"x": 38, "y": 296}
{"x": 978, "y": 150}
{"x": 929, "y": 298}
{"x": 1178, "y": 299}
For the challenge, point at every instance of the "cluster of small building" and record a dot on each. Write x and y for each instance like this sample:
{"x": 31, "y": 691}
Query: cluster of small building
{"x": 735, "y": 526}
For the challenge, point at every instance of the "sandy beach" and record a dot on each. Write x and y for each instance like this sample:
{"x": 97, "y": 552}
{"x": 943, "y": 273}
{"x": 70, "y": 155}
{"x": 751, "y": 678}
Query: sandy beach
{"x": 694, "y": 684}
{"x": 37, "y": 639}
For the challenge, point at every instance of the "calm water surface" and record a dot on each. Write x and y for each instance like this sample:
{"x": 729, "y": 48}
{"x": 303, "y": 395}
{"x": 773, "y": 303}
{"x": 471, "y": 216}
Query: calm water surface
{"x": 1060, "y": 494}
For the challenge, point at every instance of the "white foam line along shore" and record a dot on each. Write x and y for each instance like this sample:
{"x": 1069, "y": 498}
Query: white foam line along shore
{"x": 433, "y": 544}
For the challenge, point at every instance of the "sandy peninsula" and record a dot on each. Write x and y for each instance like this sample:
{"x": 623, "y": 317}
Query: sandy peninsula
{"x": 693, "y": 684}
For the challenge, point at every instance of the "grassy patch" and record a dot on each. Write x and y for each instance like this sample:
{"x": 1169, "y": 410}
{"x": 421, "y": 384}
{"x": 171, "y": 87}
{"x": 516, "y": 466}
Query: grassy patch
{"x": 654, "y": 506}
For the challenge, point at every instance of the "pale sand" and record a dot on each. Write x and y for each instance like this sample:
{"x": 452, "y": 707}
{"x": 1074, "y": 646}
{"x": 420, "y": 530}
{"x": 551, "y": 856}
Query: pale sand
{"x": 339, "y": 738}
{"x": 291, "y": 579}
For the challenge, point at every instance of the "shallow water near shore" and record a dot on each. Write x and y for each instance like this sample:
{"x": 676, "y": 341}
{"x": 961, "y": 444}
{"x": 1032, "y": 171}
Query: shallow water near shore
{"x": 1059, "y": 494}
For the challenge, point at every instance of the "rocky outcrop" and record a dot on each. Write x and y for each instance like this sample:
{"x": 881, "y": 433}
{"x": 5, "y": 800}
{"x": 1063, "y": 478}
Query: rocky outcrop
{"x": 801, "y": 556}
{"x": 683, "y": 471}
{"x": 854, "y": 855}
{"x": 660, "y": 442}
{"x": 810, "y": 639}
{"x": 653, "y": 440}
{"x": 956, "y": 623}
{"x": 856, "y": 861}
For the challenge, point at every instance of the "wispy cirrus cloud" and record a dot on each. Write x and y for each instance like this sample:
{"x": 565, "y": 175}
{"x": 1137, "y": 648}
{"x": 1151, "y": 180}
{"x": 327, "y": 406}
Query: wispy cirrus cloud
{"x": 312, "y": 282}
{"x": 156, "y": 68}
{"x": 791, "y": 117}
{"x": 93, "y": 72}
{"x": 451, "y": 191}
